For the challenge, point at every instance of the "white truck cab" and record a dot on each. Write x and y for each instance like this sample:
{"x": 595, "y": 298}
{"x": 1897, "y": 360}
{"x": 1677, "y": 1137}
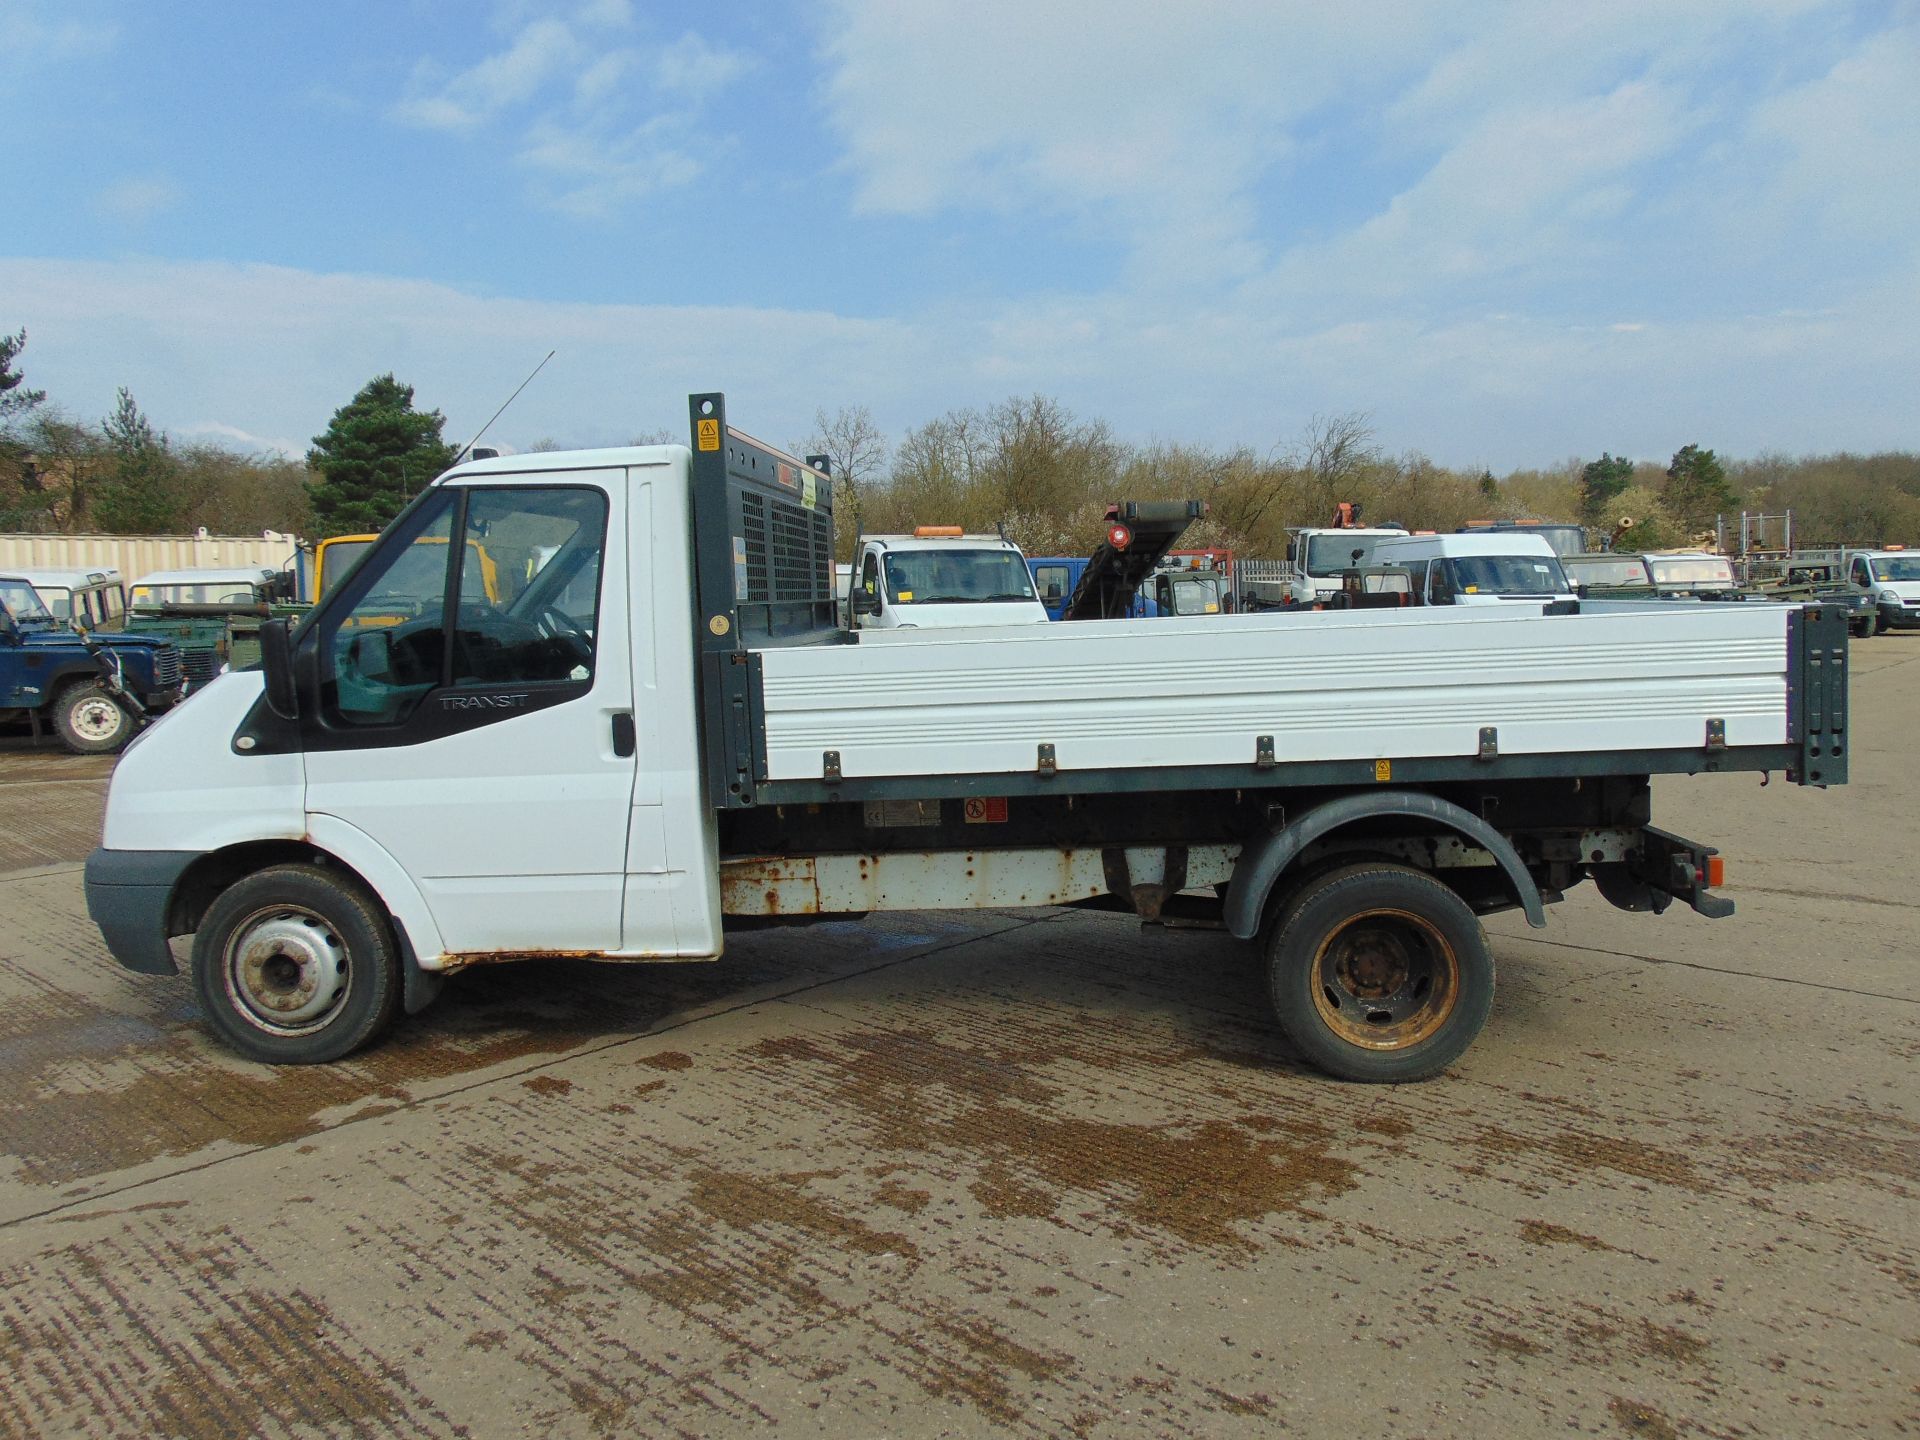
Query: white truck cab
{"x": 1318, "y": 557}
{"x": 1892, "y": 578}
{"x": 1496, "y": 568}
{"x": 941, "y": 576}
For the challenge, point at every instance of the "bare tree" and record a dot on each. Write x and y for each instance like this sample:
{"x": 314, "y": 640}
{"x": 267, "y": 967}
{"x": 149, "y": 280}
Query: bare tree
{"x": 857, "y": 452}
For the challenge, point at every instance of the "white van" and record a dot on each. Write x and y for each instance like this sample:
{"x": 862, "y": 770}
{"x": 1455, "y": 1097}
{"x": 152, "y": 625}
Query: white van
{"x": 1494, "y": 568}
{"x": 1892, "y": 577}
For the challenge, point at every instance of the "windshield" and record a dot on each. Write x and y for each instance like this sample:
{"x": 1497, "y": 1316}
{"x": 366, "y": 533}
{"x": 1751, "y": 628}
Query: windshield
{"x": 1612, "y": 572}
{"x": 1194, "y": 596}
{"x": 22, "y": 602}
{"x": 949, "y": 577}
{"x": 1330, "y": 554}
{"x": 1904, "y": 567}
{"x": 207, "y": 592}
{"x": 339, "y": 555}
{"x": 1507, "y": 575}
{"x": 1690, "y": 569}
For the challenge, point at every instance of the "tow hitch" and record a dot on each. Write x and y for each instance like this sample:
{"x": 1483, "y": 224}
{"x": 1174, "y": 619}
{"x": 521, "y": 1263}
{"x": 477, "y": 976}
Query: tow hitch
{"x": 1664, "y": 867}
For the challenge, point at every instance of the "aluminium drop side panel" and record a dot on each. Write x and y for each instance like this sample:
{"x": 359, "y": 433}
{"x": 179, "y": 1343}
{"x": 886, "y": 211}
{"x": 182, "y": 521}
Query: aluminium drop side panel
{"x": 1326, "y": 686}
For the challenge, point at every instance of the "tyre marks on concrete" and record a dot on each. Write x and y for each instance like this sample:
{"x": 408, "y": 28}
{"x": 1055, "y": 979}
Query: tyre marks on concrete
{"x": 1055, "y": 1181}
{"x": 108, "y": 1077}
{"x": 50, "y": 805}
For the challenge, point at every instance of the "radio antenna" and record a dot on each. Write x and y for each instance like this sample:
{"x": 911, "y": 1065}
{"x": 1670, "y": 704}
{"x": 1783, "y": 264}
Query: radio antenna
{"x": 501, "y": 411}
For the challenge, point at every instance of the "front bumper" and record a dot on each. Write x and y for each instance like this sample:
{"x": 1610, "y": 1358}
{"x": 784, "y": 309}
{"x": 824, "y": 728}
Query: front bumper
{"x": 1900, "y": 617}
{"x": 128, "y": 892}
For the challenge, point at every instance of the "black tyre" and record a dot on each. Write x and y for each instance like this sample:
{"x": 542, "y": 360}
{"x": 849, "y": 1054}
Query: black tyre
{"x": 1861, "y": 628}
{"x": 1880, "y": 626}
{"x": 89, "y": 721}
{"x": 297, "y": 965}
{"x": 1379, "y": 973}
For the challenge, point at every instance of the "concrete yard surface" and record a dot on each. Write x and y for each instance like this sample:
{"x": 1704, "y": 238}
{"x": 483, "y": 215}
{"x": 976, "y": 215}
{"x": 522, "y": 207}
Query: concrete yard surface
{"x": 1003, "y": 1173}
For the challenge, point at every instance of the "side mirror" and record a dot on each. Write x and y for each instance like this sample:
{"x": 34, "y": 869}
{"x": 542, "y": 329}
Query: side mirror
{"x": 276, "y": 663}
{"x": 866, "y": 603}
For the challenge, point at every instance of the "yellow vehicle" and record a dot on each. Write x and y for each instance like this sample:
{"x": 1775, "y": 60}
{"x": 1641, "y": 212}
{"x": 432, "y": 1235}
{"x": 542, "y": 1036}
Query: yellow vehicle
{"x": 332, "y": 558}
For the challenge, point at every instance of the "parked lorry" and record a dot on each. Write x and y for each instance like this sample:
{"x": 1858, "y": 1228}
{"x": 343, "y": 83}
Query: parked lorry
{"x": 938, "y": 576}
{"x": 1317, "y": 556}
{"x": 664, "y": 733}
{"x": 93, "y": 690}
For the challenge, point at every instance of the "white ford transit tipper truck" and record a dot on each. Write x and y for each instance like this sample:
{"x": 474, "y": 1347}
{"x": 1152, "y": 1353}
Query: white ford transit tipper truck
{"x": 657, "y": 726}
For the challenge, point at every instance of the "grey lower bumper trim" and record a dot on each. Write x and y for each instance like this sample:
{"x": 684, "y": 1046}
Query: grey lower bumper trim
{"x": 127, "y": 895}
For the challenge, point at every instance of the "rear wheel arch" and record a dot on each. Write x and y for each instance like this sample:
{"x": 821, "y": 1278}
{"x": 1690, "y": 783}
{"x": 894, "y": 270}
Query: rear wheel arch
{"x": 1265, "y": 874}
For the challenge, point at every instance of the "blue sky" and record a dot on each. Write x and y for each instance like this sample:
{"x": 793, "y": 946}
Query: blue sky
{"x": 1509, "y": 232}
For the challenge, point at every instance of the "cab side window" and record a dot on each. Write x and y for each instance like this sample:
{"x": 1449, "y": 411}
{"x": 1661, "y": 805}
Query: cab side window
{"x": 1860, "y": 576}
{"x": 481, "y": 587}
{"x": 529, "y": 586}
{"x": 1439, "y": 585}
{"x": 384, "y": 645}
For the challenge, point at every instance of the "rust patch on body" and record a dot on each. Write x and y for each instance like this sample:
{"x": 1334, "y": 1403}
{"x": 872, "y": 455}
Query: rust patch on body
{"x": 667, "y": 1060}
{"x": 548, "y": 1085}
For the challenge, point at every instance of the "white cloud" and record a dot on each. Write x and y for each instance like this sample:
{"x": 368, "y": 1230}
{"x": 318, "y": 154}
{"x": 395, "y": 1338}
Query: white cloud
{"x": 1851, "y": 140}
{"x": 137, "y": 199}
{"x": 234, "y": 438}
{"x": 541, "y": 51}
{"x": 599, "y": 123}
{"x": 34, "y": 33}
{"x": 275, "y": 350}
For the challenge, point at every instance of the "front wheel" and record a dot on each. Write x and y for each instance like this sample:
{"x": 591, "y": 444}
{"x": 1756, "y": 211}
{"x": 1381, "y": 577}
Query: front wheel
{"x": 296, "y": 965}
{"x": 1861, "y": 629}
{"x": 1379, "y": 973}
{"x": 89, "y": 721}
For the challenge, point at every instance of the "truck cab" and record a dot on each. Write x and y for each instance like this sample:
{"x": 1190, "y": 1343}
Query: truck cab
{"x": 1892, "y": 578}
{"x": 1319, "y": 556}
{"x": 939, "y": 576}
{"x": 1498, "y": 568}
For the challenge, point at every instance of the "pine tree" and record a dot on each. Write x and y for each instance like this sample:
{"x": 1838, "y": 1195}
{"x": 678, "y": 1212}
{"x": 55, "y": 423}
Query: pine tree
{"x": 141, "y": 492}
{"x": 1600, "y": 482}
{"x": 1697, "y": 489}
{"x": 14, "y": 401}
{"x": 376, "y": 454}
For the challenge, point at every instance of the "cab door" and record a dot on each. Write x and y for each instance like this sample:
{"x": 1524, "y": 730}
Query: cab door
{"x": 474, "y": 693}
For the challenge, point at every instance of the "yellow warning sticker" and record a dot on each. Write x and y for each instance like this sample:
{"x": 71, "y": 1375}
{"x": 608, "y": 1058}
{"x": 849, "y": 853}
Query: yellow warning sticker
{"x": 1383, "y": 769}
{"x": 708, "y": 433}
{"x": 905, "y": 597}
{"x": 809, "y": 497}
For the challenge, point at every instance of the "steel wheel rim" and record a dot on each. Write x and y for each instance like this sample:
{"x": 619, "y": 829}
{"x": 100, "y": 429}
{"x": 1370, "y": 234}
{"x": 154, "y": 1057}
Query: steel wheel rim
{"x": 286, "y": 970}
{"x": 1385, "y": 979}
{"x": 95, "y": 718}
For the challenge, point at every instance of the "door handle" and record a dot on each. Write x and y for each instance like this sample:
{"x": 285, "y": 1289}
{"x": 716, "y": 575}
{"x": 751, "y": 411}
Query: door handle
{"x": 623, "y": 736}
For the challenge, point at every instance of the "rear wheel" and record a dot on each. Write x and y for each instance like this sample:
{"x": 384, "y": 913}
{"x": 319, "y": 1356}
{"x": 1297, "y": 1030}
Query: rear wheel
{"x": 1379, "y": 973}
{"x": 297, "y": 966}
{"x": 89, "y": 721}
{"x": 1861, "y": 628}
